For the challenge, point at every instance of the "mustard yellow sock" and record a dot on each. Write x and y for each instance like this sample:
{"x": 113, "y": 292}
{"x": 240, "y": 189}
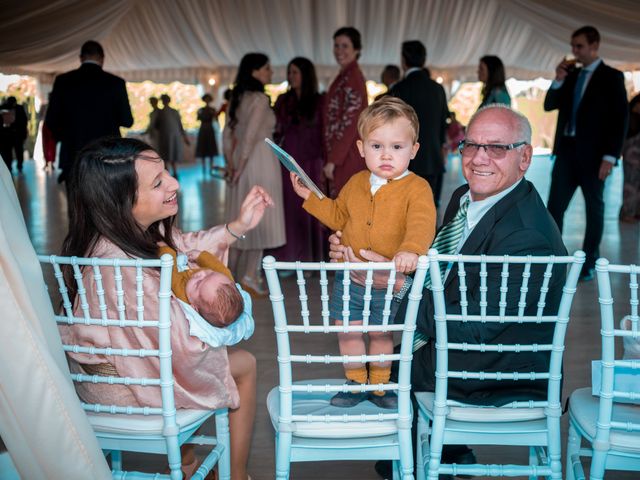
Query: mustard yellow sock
{"x": 358, "y": 375}
{"x": 379, "y": 375}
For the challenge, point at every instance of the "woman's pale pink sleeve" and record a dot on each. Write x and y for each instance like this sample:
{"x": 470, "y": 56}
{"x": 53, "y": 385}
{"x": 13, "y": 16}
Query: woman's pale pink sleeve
{"x": 212, "y": 240}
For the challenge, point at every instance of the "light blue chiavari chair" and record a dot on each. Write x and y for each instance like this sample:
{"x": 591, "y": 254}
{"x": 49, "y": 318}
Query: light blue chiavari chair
{"x": 142, "y": 429}
{"x": 307, "y": 427}
{"x": 610, "y": 423}
{"x": 534, "y": 423}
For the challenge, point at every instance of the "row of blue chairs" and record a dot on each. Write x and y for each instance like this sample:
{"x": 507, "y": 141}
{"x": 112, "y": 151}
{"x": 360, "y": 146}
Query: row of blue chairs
{"x": 308, "y": 428}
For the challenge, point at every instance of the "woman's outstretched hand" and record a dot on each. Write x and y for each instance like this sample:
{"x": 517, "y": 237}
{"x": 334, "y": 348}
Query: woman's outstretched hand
{"x": 252, "y": 210}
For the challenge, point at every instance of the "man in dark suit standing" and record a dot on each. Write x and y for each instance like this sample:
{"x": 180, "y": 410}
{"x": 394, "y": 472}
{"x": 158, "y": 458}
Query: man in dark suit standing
{"x": 592, "y": 119}
{"x": 504, "y": 215}
{"x": 86, "y": 104}
{"x": 428, "y": 99}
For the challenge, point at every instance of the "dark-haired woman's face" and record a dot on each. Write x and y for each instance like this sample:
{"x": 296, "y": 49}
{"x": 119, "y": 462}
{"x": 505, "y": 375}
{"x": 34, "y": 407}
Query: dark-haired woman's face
{"x": 263, "y": 74}
{"x": 343, "y": 50}
{"x": 483, "y": 72}
{"x": 157, "y": 194}
{"x": 294, "y": 77}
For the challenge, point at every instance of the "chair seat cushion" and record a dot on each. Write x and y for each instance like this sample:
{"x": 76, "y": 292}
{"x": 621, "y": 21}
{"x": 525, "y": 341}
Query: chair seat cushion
{"x": 481, "y": 414}
{"x": 143, "y": 425}
{"x": 317, "y": 403}
{"x": 583, "y": 410}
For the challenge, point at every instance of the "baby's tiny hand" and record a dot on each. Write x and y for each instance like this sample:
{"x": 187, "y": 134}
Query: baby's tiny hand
{"x": 406, "y": 262}
{"x": 193, "y": 255}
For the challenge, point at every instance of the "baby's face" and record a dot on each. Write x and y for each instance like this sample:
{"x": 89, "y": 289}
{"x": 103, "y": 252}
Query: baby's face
{"x": 388, "y": 149}
{"x": 203, "y": 286}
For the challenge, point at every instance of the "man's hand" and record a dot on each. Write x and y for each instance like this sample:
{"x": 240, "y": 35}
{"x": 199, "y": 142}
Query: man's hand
{"x": 562, "y": 69}
{"x": 406, "y": 262}
{"x": 298, "y": 186}
{"x": 328, "y": 170}
{"x": 605, "y": 170}
{"x": 337, "y": 250}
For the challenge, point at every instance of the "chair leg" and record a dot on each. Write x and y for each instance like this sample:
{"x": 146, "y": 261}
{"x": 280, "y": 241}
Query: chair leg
{"x": 533, "y": 460}
{"x": 598, "y": 463}
{"x": 406, "y": 454}
{"x": 435, "y": 446}
{"x": 573, "y": 448}
{"x": 421, "y": 436}
{"x": 554, "y": 447}
{"x": 224, "y": 440}
{"x": 283, "y": 455}
{"x": 116, "y": 459}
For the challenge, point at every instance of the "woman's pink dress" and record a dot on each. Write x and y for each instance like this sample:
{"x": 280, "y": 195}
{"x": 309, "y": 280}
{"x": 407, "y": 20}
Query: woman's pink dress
{"x": 202, "y": 376}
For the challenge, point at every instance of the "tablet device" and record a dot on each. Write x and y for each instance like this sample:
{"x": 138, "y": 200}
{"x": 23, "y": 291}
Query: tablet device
{"x": 290, "y": 164}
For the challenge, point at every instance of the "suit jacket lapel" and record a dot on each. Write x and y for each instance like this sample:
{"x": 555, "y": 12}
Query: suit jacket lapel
{"x": 472, "y": 246}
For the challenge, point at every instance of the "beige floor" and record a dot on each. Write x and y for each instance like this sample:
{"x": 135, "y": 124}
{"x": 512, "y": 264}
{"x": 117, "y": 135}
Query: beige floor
{"x": 201, "y": 205}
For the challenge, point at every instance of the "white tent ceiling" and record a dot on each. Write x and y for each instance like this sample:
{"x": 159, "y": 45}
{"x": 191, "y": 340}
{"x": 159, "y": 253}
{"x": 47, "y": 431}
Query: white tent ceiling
{"x": 191, "y": 40}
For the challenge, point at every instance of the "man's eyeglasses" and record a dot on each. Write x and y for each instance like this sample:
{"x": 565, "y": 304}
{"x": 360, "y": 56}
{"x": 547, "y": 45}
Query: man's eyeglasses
{"x": 494, "y": 151}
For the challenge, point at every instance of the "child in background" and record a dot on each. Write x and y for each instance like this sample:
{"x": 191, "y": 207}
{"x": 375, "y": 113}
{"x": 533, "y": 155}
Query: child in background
{"x": 387, "y": 209}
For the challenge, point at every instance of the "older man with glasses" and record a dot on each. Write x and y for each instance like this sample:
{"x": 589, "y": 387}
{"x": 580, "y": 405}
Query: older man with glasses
{"x": 498, "y": 212}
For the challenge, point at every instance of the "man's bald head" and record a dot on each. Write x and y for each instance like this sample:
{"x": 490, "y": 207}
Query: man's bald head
{"x": 492, "y": 160}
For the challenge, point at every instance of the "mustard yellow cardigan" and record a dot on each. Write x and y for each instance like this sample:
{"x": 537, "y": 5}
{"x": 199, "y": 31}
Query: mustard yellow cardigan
{"x": 401, "y": 216}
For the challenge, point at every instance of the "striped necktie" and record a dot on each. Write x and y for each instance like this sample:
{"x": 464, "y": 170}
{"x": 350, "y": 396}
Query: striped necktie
{"x": 446, "y": 243}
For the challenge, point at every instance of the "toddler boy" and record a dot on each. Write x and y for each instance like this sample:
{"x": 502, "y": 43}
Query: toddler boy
{"x": 387, "y": 209}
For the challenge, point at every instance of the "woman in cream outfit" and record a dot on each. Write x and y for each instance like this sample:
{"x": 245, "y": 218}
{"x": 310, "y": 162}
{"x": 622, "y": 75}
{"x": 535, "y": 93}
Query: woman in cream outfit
{"x": 250, "y": 162}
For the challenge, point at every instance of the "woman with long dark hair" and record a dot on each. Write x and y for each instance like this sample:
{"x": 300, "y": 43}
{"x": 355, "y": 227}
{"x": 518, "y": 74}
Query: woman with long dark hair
{"x": 123, "y": 204}
{"x": 250, "y": 161}
{"x": 491, "y": 74}
{"x": 299, "y": 132}
{"x": 346, "y": 98}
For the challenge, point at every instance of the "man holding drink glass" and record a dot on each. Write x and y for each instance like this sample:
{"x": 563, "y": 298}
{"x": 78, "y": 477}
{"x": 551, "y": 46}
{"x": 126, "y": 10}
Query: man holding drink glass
{"x": 592, "y": 117}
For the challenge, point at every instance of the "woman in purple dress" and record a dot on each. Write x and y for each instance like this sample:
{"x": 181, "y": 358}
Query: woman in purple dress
{"x": 299, "y": 132}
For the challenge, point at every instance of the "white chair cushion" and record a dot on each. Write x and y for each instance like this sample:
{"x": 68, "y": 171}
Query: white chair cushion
{"x": 584, "y": 410}
{"x": 142, "y": 425}
{"x": 318, "y": 404}
{"x": 481, "y": 414}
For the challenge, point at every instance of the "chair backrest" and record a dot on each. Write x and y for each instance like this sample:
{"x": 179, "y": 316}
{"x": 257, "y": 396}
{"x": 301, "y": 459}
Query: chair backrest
{"x": 311, "y": 320}
{"x": 620, "y": 377}
{"x": 504, "y": 308}
{"x": 89, "y": 275}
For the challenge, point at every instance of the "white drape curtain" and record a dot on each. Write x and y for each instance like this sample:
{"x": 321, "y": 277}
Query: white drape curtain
{"x": 190, "y": 39}
{"x": 41, "y": 421}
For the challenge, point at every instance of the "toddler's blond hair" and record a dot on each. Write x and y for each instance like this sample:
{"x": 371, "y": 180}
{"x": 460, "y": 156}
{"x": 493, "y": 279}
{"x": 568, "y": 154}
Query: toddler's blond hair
{"x": 384, "y": 111}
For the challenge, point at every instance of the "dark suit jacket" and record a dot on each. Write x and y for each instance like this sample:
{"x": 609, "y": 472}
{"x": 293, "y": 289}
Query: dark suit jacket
{"x": 518, "y": 224}
{"x": 428, "y": 99}
{"x": 86, "y": 104}
{"x": 601, "y": 118}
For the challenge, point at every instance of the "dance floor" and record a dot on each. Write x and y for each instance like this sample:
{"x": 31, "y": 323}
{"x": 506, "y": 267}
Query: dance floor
{"x": 202, "y": 205}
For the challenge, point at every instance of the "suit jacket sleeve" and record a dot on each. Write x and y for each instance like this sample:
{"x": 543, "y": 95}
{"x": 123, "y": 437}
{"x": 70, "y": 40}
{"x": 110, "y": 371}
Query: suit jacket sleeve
{"x": 616, "y": 125}
{"x": 55, "y": 111}
{"x": 124, "y": 110}
{"x": 444, "y": 115}
{"x": 555, "y": 96}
